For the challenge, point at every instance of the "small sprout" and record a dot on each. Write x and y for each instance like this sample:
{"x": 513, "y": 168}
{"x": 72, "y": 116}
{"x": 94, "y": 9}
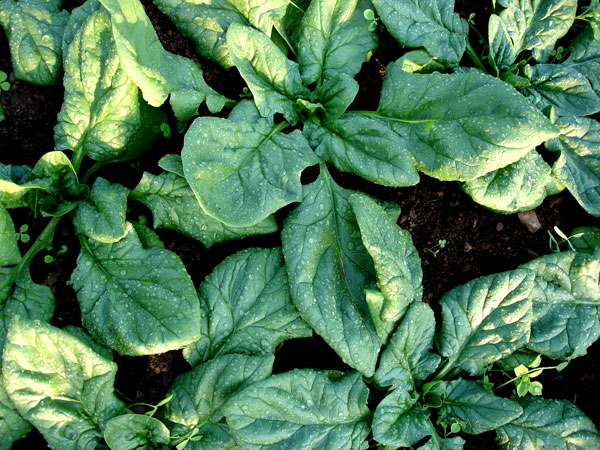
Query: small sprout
{"x": 471, "y": 19}
{"x": 48, "y": 259}
{"x": 142, "y": 220}
{"x": 22, "y": 234}
{"x": 246, "y": 93}
{"x": 562, "y": 366}
{"x": 455, "y": 427}
{"x": 63, "y": 249}
{"x": 435, "y": 249}
{"x": 369, "y": 15}
{"x": 166, "y": 129}
{"x": 555, "y": 244}
{"x": 4, "y": 85}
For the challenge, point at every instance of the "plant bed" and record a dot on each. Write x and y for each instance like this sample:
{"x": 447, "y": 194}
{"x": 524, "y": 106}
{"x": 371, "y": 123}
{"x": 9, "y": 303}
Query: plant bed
{"x": 456, "y": 241}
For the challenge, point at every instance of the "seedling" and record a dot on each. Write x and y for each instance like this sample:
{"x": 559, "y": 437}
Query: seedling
{"x": 49, "y": 258}
{"x": 22, "y": 235}
{"x": 435, "y": 249}
{"x": 555, "y": 244}
{"x": 369, "y": 15}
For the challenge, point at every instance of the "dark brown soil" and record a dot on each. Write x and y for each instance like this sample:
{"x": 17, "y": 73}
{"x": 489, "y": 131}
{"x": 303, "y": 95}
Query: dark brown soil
{"x": 478, "y": 242}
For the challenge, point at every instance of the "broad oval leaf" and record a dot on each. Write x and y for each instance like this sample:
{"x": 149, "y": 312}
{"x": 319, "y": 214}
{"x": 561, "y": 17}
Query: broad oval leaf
{"x": 520, "y": 186}
{"x": 103, "y": 115}
{"x": 486, "y": 319}
{"x": 461, "y": 126}
{"x": 244, "y": 171}
{"x": 35, "y": 31}
{"x": 334, "y": 38}
{"x": 432, "y": 24}
{"x": 545, "y": 423}
{"x": 364, "y": 146}
{"x": 480, "y": 411}
{"x": 302, "y": 409}
{"x": 59, "y": 384}
{"x": 135, "y": 300}
{"x": 12, "y": 426}
{"x": 274, "y": 80}
{"x": 584, "y": 57}
{"x": 131, "y": 431}
{"x": 566, "y": 304}
{"x": 9, "y": 250}
{"x": 329, "y": 270}
{"x": 206, "y": 22}
{"x": 247, "y": 307}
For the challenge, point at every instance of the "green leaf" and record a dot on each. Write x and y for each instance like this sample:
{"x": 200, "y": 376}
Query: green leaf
{"x": 12, "y": 426}
{"x": 437, "y": 443}
{"x": 523, "y": 356}
{"x": 14, "y": 186}
{"x": 157, "y": 72}
{"x": 375, "y": 301}
{"x": 529, "y": 25}
{"x": 334, "y": 38}
{"x": 461, "y": 126}
{"x": 329, "y": 270}
{"x": 432, "y": 24}
{"x": 584, "y": 57}
{"x": 102, "y": 216}
{"x": 566, "y": 304}
{"x": 336, "y": 94}
{"x": 59, "y": 384}
{"x": 480, "y": 411}
{"x": 486, "y": 319}
{"x": 302, "y": 409}
{"x": 9, "y": 250}
{"x": 419, "y": 61}
{"x": 520, "y": 186}
{"x": 207, "y": 22}
{"x": 175, "y": 207}
{"x": 247, "y": 307}
{"x": 274, "y": 80}
{"x": 407, "y": 357}
{"x": 135, "y": 300}
{"x": 577, "y": 166}
{"x": 364, "y": 146}
{"x": 199, "y": 396}
{"x": 398, "y": 422}
{"x": 562, "y": 87}
{"x": 79, "y": 16}
{"x": 103, "y": 115}
{"x": 84, "y": 337}
{"x": 35, "y": 30}
{"x": 556, "y": 424}
{"x": 242, "y": 171}
{"x": 132, "y": 431}
{"x": 585, "y": 239}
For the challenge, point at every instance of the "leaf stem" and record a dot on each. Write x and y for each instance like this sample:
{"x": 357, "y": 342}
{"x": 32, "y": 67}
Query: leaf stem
{"x": 475, "y": 58}
{"x": 43, "y": 241}
{"x": 374, "y": 115}
{"x": 95, "y": 167}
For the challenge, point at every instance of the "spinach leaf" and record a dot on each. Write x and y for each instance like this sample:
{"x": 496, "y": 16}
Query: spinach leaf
{"x": 301, "y": 409}
{"x": 486, "y": 319}
{"x": 333, "y": 38}
{"x": 335, "y": 95}
{"x": 207, "y": 22}
{"x": 329, "y": 270}
{"x": 133, "y": 299}
{"x": 199, "y": 397}
{"x": 35, "y": 30}
{"x": 14, "y": 186}
{"x": 157, "y": 72}
{"x": 548, "y": 424}
{"x": 69, "y": 396}
{"x": 247, "y": 307}
{"x": 461, "y": 126}
{"x": 419, "y": 61}
{"x": 103, "y": 115}
{"x": 432, "y": 24}
{"x": 584, "y": 57}
{"x": 274, "y": 80}
{"x": 132, "y": 431}
{"x": 12, "y": 426}
{"x": 9, "y": 250}
{"x": 243, "y": 169}
{"x": 566, "y": 304}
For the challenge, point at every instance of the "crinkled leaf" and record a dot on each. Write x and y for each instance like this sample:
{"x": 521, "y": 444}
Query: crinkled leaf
{"x": 103, "y": 115}
{"x": 198, "y": 396}
{"x": 329, "y": 270}
{"x": 35, "y": 30}
{"x": 244, "y": 171}
{"x": 479, "y": 410}
{"x": 533, "y": 25}
{"x": 301, "y": 409}
{"x": 12, "y": 426}
{"x": 432, "y": 24}
{"x": 562, "y": 87}
{"x": 486, "y": 319}
{"x": 102, "y": 216}
{"x": 9, "y": 250}
{"x": 545, "y": 423}
{"x": 336, "y": 94}
{"x": 59, "y": 384}
{"x": 247, "y": 306}
{"x": 461, "y": 126}
{"x": 566, "y": 304}
{"x": 585, "y": 239}
{"x": 175, "y": 207}
{"x": 364, "y": 146}
{"x": 375, "y": 301}
{"x": 131, "y": 431}
{"x": 14, "y": 186}
{"x": 520, "y": 186}
{"x": 79, "y": 16}
{"x": 207, "y": 22}
{"x": 438, "y": 443}
{"x": 419, "y": 61}
{"x": 157, "y": 72}
{"x": 274, "y": 80}
{"x": 133, "y": 299}
{"x": 578, "y": 166}
{"x": 407, "y": 357}
{"x": 84, "y": 337}
{"x": 584, "y": 57}
{"x": 334, "y": 38}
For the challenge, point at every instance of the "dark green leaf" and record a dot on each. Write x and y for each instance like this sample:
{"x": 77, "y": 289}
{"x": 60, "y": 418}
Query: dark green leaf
{"x": 132, "y": 431}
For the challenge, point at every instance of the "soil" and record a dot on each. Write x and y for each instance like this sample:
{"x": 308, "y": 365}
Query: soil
{"x": 478, "y": 241}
